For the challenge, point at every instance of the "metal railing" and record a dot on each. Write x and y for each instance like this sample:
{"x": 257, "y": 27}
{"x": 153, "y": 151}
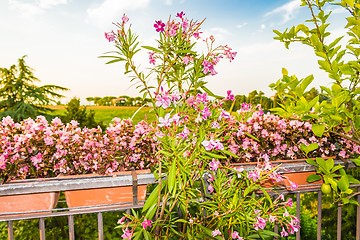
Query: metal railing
{"x": 58, "y": 185}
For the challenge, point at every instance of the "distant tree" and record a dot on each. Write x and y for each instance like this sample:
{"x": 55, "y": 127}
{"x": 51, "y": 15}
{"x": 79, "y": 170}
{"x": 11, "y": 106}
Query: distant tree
{"x": 20, "y": 98}
{"x": 90, "y": 99}
{"x": 74, "y": 111}
{"x": 97, "y": 100}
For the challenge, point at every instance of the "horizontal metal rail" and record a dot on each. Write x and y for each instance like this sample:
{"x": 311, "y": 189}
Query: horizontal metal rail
{"x": 67, "y": 184}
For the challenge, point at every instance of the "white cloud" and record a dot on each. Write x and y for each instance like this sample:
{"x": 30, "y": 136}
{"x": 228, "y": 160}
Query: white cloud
{"x": 110, "y": 9}
{"x": 241, "y": 25}
{"x": 50, "y": 3}
{"x": 263, "y": 26}
{"x": 33, "y": 7}
{"x": 287, "y": 10}
{"x": 219, "y": 33}
{"x": 168, "y": 2}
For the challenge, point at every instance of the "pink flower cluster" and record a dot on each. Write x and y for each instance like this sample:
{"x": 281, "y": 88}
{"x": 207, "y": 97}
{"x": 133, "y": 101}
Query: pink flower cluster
{"x": 271, "y": 137}
{"x": 36, "y": 148}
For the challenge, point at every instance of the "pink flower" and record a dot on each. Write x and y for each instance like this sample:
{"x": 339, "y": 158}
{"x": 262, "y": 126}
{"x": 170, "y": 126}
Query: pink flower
{"x": 163, "y": 101}
{"x": 215, "y": 233}
{"x": 260, "y": 223}
{"x": 127, "y": 234}
{"x": 121, "y": 220}
{"x": 191, "y": 221}
{"x": 215, "y": 125}
{"x": 214, "y": 165}
{"x": 211, "y": 178}
{"x": 289, "y": 203}
{"x": 218, "y": 145}
{"x": 230, "y": 96}
{"x": 286, "y": 213}
{"x": 184, "y": 134}
{"x": 146, "y": 223}
{"x": 186, "y": 60}
{"x": 207, "y": 144}
{"x": 342, "y": 154}
{"x": 164, "y": 122}
{"x": 180, "y": 15}
{"x": 205, "y": 113}
{"x": 160, "y": 26}
{"x": 211, "y": 188}
{"x": 2, "y": 162}
{"x": 293, "y": 186}
{"x": 151, "y": 58}
{"x": 224, "y": 114}
{"x": 284, "y": 233}
{"x": 253, "y": 175}
{"x": 208, "y": 67}
{"x": 172, "y": 32}
{"x": 36, "y": 159}
{"x": 235, "y": 235}
{"x": 125, "y": 19}
{"x": 110, "y": 36}
{"x": 272, "y": 218}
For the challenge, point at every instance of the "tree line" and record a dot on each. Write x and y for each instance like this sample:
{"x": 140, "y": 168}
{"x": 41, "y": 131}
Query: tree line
{"x": 118, "y": 101}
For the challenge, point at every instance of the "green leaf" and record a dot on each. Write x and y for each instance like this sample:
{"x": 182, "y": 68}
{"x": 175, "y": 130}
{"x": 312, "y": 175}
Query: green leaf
{"x": 313, "y": 178}
{"x": 284, "y": 71}
{"x": 311, "y": 161}
{"x": 356, "y": 161}
{"x": 343, "y": 183}
{"x": 230, "y": 153}
{"x": 213, "y": 155}
{"x": 152, "y": 199}
{"x": 318, "y": 129}
{"x": 329, "y": 164}
{"x": 151, "y": 49}
{"x": 309, "y": 148}
{"x": 253, "y": 137}
{"x": 172, "y": 175}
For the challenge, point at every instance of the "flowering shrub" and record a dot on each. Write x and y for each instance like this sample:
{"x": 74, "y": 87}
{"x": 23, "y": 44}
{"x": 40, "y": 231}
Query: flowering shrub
{"x": 255, "y": 135}
{"x": 193, "y": 134}
{"x": 35, "y": 148}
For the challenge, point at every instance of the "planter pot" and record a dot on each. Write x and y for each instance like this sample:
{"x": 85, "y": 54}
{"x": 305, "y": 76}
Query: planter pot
{"x": 123, "y": 195}
{"x": 27, "y": 202}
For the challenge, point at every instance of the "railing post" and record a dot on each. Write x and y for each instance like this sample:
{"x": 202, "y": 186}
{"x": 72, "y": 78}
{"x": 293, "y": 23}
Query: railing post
{"x": 298, "y": 213}
{"x": 42, "y": 228}
{"x": 358, "y": 217}
{"x": 100, "y": 226}
{"x": 339, "y": 222}
{"x": 319, "y": 216}
{"x": 71, "y": 227}
{"x": 276, "y": 230}
{"x": 10, "y": 230}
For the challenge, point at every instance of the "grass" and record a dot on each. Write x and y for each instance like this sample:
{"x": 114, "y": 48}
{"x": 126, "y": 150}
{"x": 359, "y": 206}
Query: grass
{"x": 107, "y": 113}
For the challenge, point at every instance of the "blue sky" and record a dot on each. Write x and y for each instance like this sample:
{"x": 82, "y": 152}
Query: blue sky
{"x": 63, "y": 39}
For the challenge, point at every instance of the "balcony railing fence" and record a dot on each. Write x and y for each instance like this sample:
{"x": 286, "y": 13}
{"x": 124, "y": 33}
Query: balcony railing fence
{"x": 58, "y": 185}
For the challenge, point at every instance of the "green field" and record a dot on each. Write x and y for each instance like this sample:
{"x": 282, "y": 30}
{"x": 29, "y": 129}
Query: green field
{"x": 107, "y": 113}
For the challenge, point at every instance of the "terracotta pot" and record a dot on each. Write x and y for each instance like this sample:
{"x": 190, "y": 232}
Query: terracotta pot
{"x": 110, "y": 195}
{"x": 28, "y": 202}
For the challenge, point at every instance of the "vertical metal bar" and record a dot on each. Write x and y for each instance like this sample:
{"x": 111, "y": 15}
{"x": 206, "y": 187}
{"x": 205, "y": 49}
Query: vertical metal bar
{"x": 276, "y": 230}
{"x": 10, "y": 230}
{"x": 100, "y": 226}
{"x": 42, "y": 228}
{"x": 319, "y": 216}
{"x": 358, "y": 217}
{"x": 339, "y": 222}
{"x": 298, "y": 213}
{"x": 71, "y": 227}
